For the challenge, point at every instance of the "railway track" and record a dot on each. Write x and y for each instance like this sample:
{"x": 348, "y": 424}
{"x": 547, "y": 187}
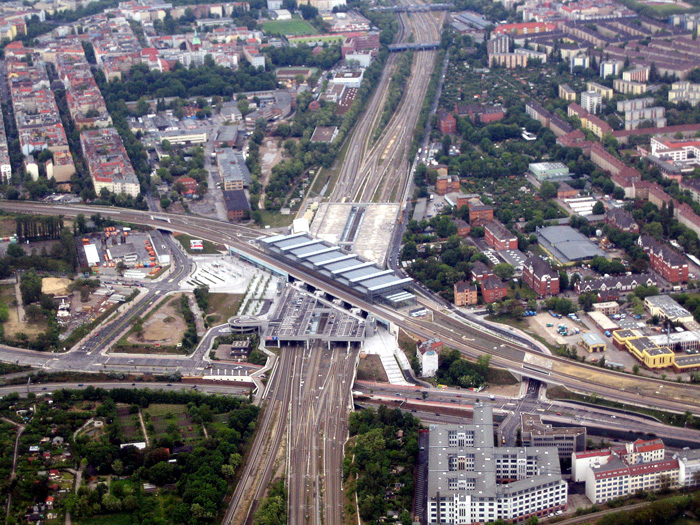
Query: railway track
{"x": 260, "y": 463}
{"x": 386, "y": 166}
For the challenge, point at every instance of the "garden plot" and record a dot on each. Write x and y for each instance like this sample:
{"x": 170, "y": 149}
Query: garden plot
{"x": 171, "y": 420}
{"x": 129, "y": 425}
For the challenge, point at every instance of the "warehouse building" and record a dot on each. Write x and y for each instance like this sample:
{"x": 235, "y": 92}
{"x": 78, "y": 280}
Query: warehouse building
{"x": 567, "y": 245}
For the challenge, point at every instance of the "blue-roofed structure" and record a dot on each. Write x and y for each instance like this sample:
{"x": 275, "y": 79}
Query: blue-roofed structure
{"x": 330, "y": 262}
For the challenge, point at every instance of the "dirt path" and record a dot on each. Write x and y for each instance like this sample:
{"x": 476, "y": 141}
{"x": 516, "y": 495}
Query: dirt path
{"x": 143, "y": 429}
{"x": 269, "y": 156}
{"x": 20, "y": 429}
{"x": 20, "y": 305}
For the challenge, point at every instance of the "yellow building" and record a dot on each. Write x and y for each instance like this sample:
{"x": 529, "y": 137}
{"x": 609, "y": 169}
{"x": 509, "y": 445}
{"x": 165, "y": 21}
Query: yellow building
{"x": 651, "y": 355}
{"x": 604, "y": 91}
{"x": 567, "y": 93}
{"x": 593, "y": 343}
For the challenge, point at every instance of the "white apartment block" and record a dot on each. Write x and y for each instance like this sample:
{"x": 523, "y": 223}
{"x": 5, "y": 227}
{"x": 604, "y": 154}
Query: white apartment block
{"x": 684, "y": 91}
{"x": 688, "y": 467}
{"x": 470, "y": 480}
{"x": 591, "y": 101}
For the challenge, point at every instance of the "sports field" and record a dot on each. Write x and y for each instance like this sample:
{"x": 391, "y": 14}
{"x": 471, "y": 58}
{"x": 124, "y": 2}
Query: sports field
{"x": 294, "y": 27}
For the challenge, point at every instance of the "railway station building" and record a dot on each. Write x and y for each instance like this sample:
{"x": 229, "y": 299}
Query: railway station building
{"x": 350, "y": 272}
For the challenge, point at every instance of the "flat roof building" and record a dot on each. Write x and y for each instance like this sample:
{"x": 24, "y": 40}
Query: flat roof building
{"x": 470, "y": 480}
{"x": 593, "y": 343}
{"x": 537, "y": 434}
{"x": 567, "y": 245}
{"x": 549, "y": 171}
{"x": 667, "y": 308}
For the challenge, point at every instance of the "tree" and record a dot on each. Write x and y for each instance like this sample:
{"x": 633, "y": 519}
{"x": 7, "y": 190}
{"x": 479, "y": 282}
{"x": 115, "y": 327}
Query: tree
{"x": 30, "y": 287}
{"x": 120, "y": 268}
{"x": 599, "y": 208}
{"x": 504, "y": 270}
{"x": 548, "y": 190}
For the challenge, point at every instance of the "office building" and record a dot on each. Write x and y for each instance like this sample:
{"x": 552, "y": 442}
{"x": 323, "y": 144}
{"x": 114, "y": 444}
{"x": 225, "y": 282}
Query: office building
{"x": 470, "y": 480}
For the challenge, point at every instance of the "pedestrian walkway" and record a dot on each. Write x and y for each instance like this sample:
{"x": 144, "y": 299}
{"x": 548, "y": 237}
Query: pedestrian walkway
{"x": 386, "y": 346}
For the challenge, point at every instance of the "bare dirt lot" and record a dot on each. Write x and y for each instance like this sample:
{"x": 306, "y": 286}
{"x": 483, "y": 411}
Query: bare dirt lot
{"x": 55, "y": 285}
{"x": 13, "y": 326}
{"x": 371, "y": 369}
{"x": 165, "y": 326}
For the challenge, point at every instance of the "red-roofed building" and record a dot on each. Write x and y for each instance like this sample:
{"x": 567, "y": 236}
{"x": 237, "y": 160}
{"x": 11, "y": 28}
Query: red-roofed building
{"x": 187, "y": 186}
{"x": 525, "y": 28}
{"x": 620, "y": 471}
{"x": 447, "y": 123}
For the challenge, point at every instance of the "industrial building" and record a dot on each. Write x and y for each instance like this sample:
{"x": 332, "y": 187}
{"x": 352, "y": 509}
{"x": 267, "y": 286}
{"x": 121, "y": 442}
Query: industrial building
{"x": 345, "y": 270}
{"x": 470, "y": 480}
{"x": 134, "y": 249}
{"x": 567, "y": 245}
{"x": 551, "y": 171}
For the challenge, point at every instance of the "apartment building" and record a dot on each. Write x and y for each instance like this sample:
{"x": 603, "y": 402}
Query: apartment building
{"x": 684, "y": 91}
{"x": 465, "y": 293}
{"x": 85, "y": 103}
{"x": 602, "y": 90}
{"x": 663, "y": 259}
{"x": 108, "y": 162}
{"x": 493, "y": 289}
{"x": 610, "y": 67}
{"x": 614, "y": 285}
{"x": 470, "y": 480}
{"x": 539, "y": 275}
{"x": 5, "y": 166}
{"x": 116, "y": 47}
{"x": 567, "y": 93}
{"x": 638, "y": 74}
{"x": 479, "y": 213}
{"x": 37, "y": 118}
{"x": 591, "y": 101}
{"x": 629, "y": 88}
{"x": 499, "y": 237}
{"x": 622, "y": 220}
{"x": 589, "y": 121}
{"x": 428, "y": 354}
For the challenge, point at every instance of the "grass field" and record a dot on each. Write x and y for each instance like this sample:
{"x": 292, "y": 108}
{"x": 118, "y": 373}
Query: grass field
{"x": 294, "y": 27}
{"x": 274, "y": 219}
{"x": 223, "y": 305}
